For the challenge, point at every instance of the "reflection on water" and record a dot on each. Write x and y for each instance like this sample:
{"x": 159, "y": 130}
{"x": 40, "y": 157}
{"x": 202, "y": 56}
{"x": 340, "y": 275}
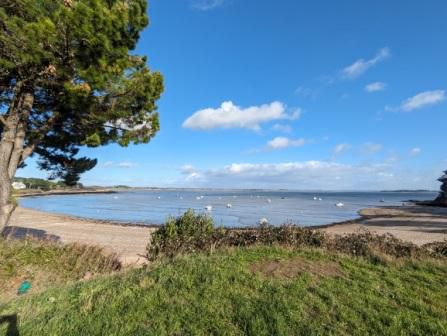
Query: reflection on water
{"x": 228, "y": 208}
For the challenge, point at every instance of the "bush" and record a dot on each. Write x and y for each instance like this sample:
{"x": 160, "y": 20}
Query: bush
{"x": 192, "y": 233}
{"x": 367, "y": 244}
{"x": 187, "y": 233}
{"x": 438, "y": 249}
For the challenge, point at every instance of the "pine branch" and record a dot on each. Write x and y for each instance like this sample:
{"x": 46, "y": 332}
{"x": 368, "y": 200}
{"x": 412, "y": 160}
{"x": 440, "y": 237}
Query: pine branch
{"x": 29, "y": 149}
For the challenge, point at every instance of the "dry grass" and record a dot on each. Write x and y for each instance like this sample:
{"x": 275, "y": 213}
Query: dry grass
{"x": 46, "y": 264}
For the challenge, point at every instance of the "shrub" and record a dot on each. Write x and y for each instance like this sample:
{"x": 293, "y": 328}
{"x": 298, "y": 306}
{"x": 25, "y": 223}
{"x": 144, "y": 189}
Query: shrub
{"x": 187, "y": 233}
{"x": 437, "y": 249}
{"x": 191, "y": 233}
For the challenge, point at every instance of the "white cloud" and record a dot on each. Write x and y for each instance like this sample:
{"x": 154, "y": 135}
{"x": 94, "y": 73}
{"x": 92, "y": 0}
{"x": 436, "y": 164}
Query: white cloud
{"x": 282, "y": 128}
{"x": 187, "y": 169}
{"x": 205, "y": 5}
{"x": 282, "y": 142}
{"x": 229, "y": 115}
{"x": 341, "y": 148}
{"x": 371, "y": 148}
{"x": 306, "y": 93}
{"x": 298, "y": 175}
{"x": 415, "y": 151}
{"x": 360, "y": 66}
{"x": 125, "y": 164}
{"x": 190, "y": 172}
{"x": 128, "y": 125}
{"x": 423, "y": 99}
{"x": 375, "y": 87}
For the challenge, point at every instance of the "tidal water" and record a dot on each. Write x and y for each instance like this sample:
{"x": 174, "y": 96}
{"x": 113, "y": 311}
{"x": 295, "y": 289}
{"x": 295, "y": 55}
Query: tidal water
{"x": 247, "y": 207}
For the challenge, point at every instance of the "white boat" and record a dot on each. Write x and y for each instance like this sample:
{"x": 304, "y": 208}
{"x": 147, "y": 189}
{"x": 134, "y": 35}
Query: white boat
{"x": 208, "y": 208}
{"x": 320, "y": 199}
{"x": 315, "y": 198}
{"x": 339, "y": 204}
{"x": 263, "y": 221}
{"x": 159, "y": 197}
{"x": 269, "y": 200}
{"x": 229, "y": 206}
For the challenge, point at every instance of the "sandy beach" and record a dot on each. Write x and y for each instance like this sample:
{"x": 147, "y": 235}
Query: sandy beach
{"x": 129, "y": 242}
{"x": 418, "y": 224}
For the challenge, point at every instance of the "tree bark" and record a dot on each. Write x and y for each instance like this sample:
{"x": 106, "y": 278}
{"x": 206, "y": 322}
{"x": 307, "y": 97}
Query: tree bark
{"x": 11, "y": 149}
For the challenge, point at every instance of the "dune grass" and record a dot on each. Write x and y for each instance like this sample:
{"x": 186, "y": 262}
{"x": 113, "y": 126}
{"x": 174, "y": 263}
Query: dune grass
{"x": 248, "y": 291}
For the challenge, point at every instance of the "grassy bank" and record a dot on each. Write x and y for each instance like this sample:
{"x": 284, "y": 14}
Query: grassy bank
{"x": 252, "y": 290}
{"x": 46, "y": 265}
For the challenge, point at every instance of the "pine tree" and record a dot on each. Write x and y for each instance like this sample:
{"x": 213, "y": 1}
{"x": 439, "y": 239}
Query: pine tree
{"x": 68, "y": 78}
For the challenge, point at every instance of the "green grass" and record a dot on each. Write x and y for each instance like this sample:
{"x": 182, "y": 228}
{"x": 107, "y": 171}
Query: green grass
{"x": 251, "y": 291}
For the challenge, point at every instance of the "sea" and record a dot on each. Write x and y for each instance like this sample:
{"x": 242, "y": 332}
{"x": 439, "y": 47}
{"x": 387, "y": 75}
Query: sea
{"x": 228, "y": 208}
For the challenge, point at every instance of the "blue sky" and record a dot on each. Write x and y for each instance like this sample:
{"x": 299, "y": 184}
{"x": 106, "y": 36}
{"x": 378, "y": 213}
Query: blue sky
{"x": 292, "y": 94}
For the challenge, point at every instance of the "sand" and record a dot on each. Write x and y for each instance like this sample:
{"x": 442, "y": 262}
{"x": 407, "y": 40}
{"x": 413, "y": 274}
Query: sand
{"x": 418, "y": 224}
{"x": 129, "y": 242}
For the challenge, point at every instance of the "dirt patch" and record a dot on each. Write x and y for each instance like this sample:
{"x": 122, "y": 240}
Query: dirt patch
{"x": 294, "y": 267}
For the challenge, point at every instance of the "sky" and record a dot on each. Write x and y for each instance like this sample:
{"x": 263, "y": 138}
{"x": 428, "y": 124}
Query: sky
{"x": 303, "y": 95}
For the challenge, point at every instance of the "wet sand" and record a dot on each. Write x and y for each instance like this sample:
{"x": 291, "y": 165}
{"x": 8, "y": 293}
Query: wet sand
{"x": 418, "y": 224}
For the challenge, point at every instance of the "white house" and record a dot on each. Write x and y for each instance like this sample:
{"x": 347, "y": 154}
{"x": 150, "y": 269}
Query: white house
{"x": 18, "y": 185}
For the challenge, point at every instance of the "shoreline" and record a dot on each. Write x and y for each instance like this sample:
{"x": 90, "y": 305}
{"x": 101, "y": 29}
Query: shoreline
{"x": 66, "y": 192}
{"x": 414, "y": 223}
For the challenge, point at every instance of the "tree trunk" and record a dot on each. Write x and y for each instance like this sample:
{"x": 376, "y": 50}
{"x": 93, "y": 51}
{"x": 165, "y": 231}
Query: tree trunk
{"x": 11, "y": 150}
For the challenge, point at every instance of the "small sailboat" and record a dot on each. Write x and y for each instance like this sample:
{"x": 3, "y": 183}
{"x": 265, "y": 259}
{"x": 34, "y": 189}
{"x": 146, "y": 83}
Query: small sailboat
{"x": 339, "y": 204}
